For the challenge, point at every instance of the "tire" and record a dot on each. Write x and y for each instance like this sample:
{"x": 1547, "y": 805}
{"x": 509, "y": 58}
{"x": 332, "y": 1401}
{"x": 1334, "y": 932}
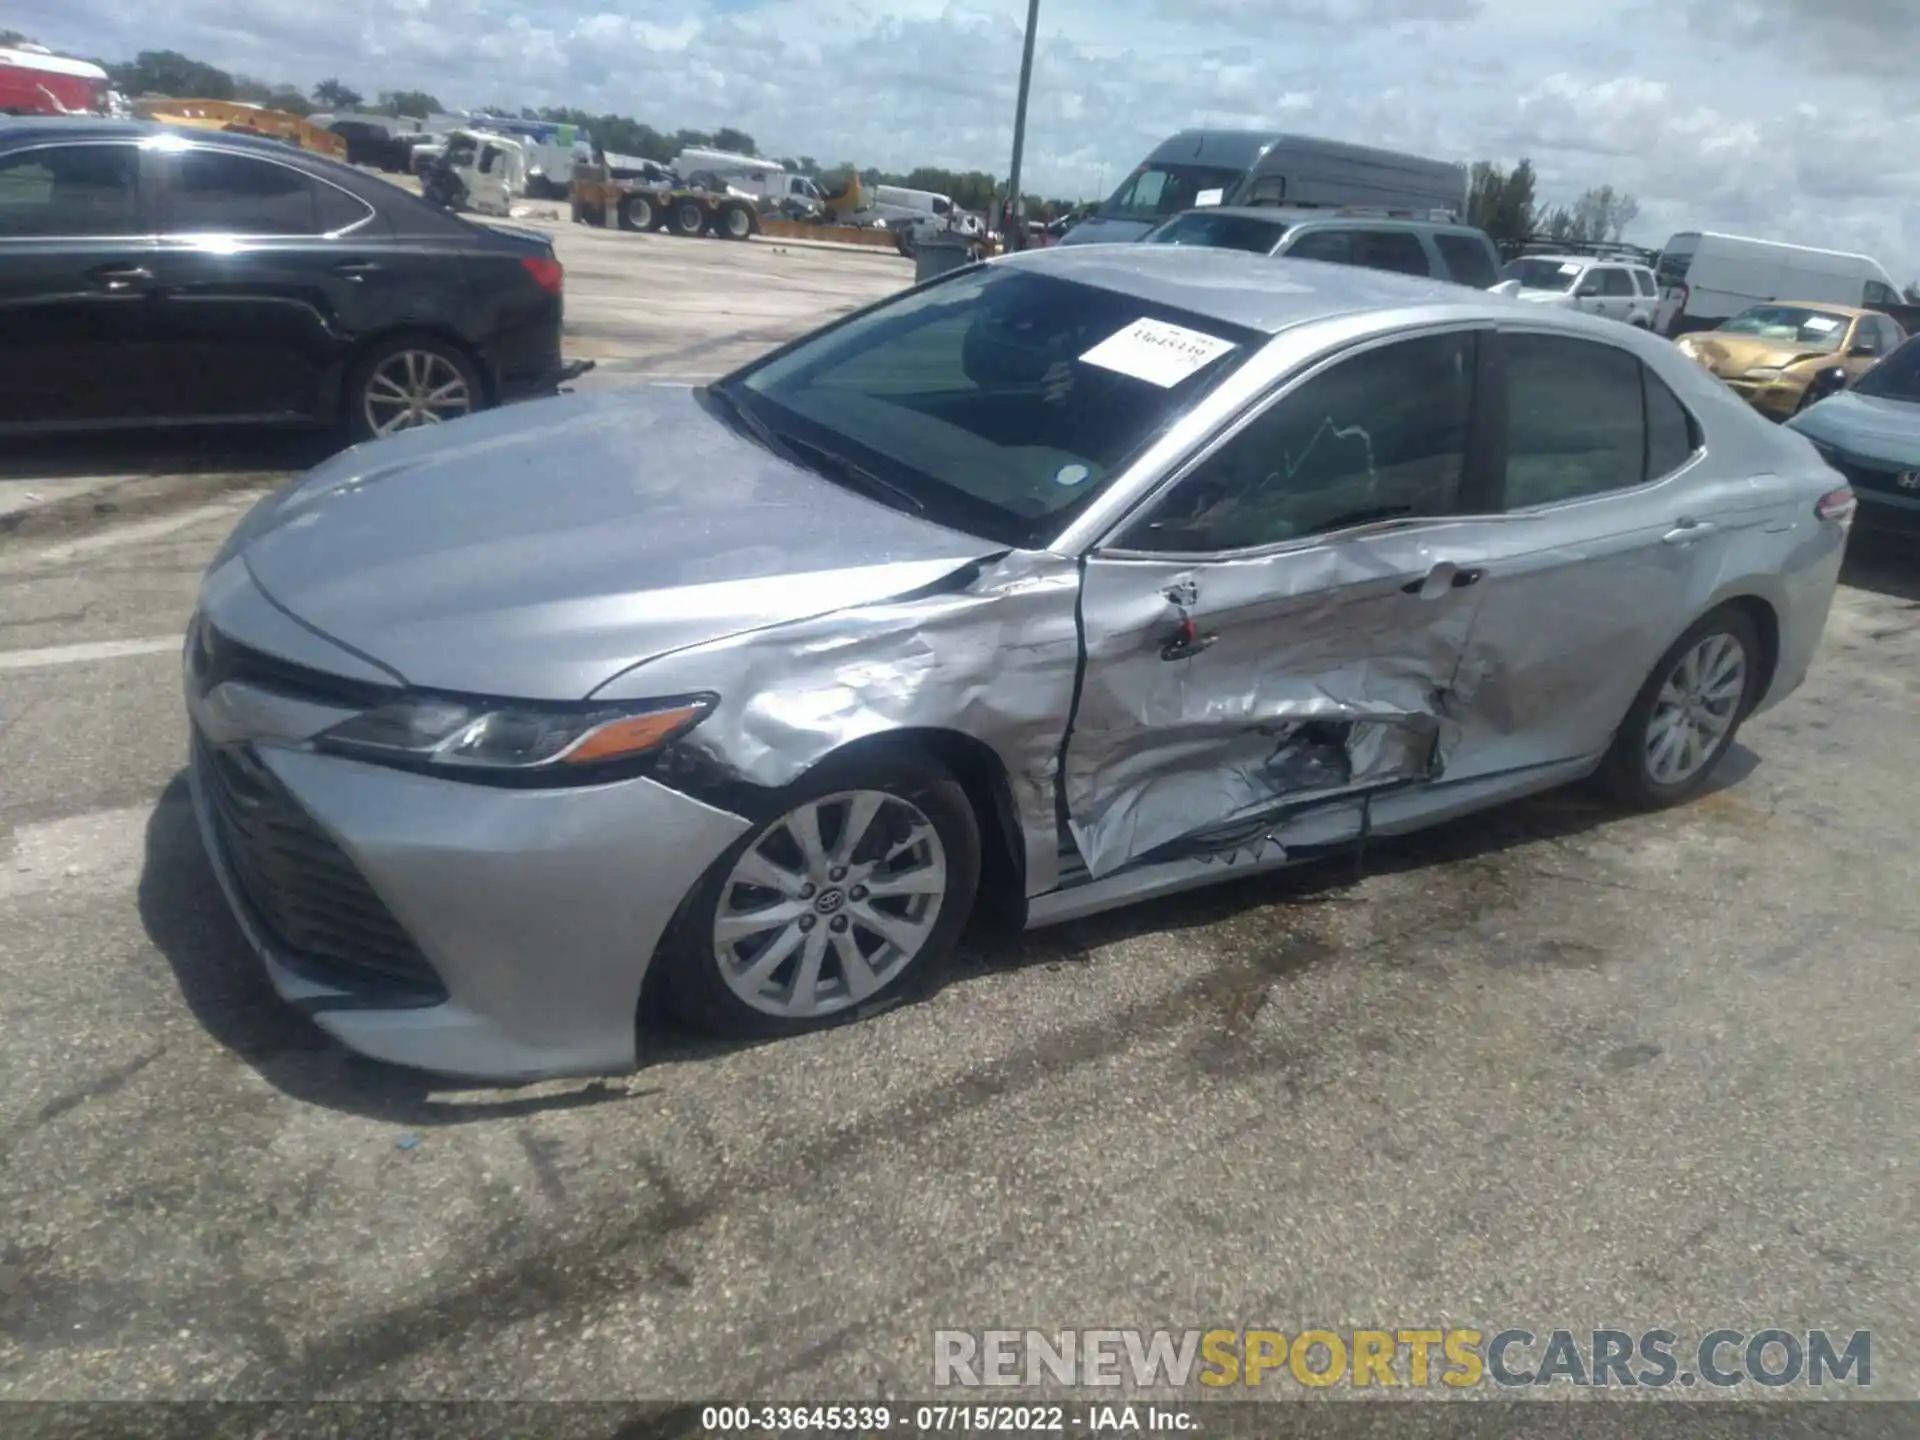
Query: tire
{"x": 689, "y": 218}
{"x": 1631, "y": 773}
{"x": 637, "y": 213}
{"x": 735, "y": 223}
{"x": 709, "y": 984}
{"x": 404, "y": 368}
{"x": 903, "y": 242}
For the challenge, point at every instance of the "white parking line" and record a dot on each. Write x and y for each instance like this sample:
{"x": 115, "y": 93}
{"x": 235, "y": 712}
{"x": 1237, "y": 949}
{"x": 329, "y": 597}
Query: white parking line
{"x": 85, "y": 654}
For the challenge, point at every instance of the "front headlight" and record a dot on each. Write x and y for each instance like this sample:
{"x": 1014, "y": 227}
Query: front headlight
{"x": 485, "y": 738}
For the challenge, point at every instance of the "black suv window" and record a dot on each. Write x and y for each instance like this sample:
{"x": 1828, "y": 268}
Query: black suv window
{"x": 1380, "y": 436}
{"x": 1396, "y": 250}
{"x": 72, "y": 191}
{"x": 217, "y": 192}
{"x": 1467, "y": 260}
{"x": 1584, "y": 418}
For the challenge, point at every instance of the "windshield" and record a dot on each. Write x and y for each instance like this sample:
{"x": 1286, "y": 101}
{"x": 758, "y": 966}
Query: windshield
{"x": 1154, "y": 191}
{"x": 999, "y": 402}
{"x": 1222, "y": 232}
{"x": 1790, "y": 325}
{"x": 1537, "y": 274}
{"x": 1895, "y": 378}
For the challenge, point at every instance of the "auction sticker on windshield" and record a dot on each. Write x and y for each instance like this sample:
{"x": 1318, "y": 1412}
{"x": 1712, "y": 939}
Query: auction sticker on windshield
{"x": 1159, "y": 353}
{"x": 1821, "y": 324}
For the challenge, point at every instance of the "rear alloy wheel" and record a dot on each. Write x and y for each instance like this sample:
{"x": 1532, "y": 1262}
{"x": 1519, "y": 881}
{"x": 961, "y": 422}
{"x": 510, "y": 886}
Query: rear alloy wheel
{"x": 689, "y": 219}
{"x": 1687, "y": 714}
{"x": 411, "y": 383}
{"x": 830, "y": 908}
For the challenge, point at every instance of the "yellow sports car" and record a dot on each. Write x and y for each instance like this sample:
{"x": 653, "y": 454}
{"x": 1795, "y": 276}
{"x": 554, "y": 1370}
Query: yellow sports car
{"x": 1770, "y": 353}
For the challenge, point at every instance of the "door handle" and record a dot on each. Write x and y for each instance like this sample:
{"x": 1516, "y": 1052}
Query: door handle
{"x": 1686, "y": 530}
{"x": 355, "y": 269}
{"x": 1445, "y": 576}
{"x": 1187, "y": 643}
{"x": 120, "y": 277}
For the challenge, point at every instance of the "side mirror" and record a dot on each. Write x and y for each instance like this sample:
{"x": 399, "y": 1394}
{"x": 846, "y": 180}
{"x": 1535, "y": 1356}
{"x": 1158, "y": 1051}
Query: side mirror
{"x": 1507, "y": 287}
{"x": 1863, "y": 352}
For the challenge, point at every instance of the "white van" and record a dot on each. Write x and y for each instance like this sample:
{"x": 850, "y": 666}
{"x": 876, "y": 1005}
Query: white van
{"x": 926, "y": 202}
{"x": 1706, "y": 278}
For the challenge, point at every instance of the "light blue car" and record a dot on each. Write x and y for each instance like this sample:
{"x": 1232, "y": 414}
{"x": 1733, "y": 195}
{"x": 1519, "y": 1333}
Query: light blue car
{"x": 1871, "y": 434}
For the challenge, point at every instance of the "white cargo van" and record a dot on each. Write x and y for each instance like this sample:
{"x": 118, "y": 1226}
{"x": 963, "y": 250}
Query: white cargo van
{"x": 1706, "y": 278}
{"x": 927, "y": 202}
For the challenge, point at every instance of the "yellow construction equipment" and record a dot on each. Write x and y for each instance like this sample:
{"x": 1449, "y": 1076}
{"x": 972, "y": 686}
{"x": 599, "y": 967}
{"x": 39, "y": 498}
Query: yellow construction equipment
{"x": 236, "y": 117}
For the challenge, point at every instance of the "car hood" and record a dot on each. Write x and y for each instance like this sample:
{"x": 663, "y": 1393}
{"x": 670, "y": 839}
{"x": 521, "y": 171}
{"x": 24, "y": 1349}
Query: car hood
{"x": 538, "y": 550}
{"x": 1734, "y": 355}
{"x": 1544, "y": 297}
{"x": 1865, "y": 427}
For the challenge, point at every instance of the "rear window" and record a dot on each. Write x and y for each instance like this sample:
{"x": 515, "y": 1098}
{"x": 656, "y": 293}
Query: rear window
{"x": 1220, "y": 232}
{"x": 1467, "y": 260}
{"x": 1644, "y": 279}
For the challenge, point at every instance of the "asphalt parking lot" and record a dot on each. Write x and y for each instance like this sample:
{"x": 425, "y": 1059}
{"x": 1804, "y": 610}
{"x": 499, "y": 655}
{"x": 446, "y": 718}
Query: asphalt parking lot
{"x": 1546, "y": 1067}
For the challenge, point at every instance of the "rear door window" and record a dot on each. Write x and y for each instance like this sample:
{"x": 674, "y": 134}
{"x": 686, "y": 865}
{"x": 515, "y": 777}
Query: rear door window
{"x": 1333, "y": 246}
{"x": 217, "y": 192}
{"x": 1576, "y": 421}
{"x": 1467, "y": 260}
{"x": 1644, "y": 279}
{"x": 1615, "y": 283}
{"x": 1397, "y": 250}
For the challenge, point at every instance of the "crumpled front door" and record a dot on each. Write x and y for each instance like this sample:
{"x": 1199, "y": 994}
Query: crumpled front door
{"x": 1220, "y": 696}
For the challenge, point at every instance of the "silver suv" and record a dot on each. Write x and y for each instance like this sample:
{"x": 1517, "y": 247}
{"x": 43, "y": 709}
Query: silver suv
{"x": 1616, "y": 289}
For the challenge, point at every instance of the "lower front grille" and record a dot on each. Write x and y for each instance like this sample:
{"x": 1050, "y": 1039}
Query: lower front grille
{"x": 307, "y": 897}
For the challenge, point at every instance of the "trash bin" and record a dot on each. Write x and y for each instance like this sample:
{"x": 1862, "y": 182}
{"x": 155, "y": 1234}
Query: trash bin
{"x": 937, "y": 254}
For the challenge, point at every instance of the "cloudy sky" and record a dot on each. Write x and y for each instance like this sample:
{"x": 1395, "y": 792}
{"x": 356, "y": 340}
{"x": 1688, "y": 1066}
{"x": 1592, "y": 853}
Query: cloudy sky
{"x": 1793, "y": 119}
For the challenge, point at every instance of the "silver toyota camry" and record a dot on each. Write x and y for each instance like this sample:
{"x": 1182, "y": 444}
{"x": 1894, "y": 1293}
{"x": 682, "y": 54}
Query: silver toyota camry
{"x": 1061, "y": 581}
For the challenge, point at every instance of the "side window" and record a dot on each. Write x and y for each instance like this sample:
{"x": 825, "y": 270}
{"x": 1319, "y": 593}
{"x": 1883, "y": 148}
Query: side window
{"x": 1396, "y": 250}
{"x": 1866, "y": 337}
{"x": 1574, "y": 420}
{"x": 1891, "y": 335}
{"x": 1879, "y": 294}
{"x": 1644, "y": 279}
{"x": 1333, "y": 246}
{"x": 1380, "y": 436}
{"x": 1672, "y": 436}
{"x": 219, "y": 193}
{"x": 74, "y": 191}
{"x": 1467, "y": 260}
{"x": 489, "y": 157}
{"x": 1616, "y": 283}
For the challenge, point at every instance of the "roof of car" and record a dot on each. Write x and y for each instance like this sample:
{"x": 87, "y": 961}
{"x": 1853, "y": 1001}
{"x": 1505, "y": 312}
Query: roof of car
{"x": 1236, "y": 287}
{"x": 1820, "y": 307}
{"x": 92, "y": 127}
{"x": 1621, "y": 261}
{"x": 1300, "y": 214}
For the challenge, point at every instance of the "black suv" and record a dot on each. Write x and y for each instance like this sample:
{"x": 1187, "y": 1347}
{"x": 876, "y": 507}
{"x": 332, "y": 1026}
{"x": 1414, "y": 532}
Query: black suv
{"x": 151, "y": 275}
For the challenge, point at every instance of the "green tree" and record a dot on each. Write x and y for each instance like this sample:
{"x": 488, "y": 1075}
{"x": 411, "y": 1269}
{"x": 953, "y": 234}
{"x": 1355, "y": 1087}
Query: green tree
{"x": 14, "y": 37}
{"x": 737, "y": 142}
{"x": 416, "y": 104}
{"x": 169, "y": 73}
{"x": 332, "y": 95}
{"x": 1501, "y": 202}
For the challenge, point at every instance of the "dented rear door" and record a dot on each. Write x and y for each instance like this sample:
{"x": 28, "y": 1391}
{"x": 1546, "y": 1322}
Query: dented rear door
{"x": 1280, "y": 629}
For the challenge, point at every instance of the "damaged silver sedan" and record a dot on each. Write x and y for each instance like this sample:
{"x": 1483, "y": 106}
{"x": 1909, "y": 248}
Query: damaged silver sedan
{"x": 1074, "y": 578}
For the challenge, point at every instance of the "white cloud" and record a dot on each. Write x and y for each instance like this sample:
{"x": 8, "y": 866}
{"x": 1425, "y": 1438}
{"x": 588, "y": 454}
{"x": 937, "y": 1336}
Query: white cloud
{"x": 1786, "y": 118}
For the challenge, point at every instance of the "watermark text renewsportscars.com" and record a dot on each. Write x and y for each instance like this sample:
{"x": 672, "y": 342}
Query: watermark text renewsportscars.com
{"x": 1416, "y": 1357}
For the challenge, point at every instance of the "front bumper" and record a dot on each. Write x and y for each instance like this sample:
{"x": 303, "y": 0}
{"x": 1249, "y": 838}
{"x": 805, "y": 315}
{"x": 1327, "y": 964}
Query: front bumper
{"x": 1777, "y": 399}
{"x": 485, "y": 933}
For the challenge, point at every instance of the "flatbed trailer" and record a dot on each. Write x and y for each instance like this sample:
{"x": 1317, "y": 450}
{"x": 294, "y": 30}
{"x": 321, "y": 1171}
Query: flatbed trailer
{"x": 600, "y": 199}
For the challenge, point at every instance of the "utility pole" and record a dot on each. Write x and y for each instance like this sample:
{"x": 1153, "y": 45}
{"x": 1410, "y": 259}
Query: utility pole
{"x": 1016, "y": 207}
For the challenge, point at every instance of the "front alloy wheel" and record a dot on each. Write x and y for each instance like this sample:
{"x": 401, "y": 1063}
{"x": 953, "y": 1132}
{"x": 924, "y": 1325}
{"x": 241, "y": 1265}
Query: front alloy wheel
{"x": 830, "y": 904}
{"x": 410, "y": 388}
{"x": 853, "y": 888}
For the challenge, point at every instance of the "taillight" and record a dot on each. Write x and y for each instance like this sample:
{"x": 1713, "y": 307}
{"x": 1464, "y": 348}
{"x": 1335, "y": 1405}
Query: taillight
{"x": 549, "y": 275}
{"x": 1837, "y": 506}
